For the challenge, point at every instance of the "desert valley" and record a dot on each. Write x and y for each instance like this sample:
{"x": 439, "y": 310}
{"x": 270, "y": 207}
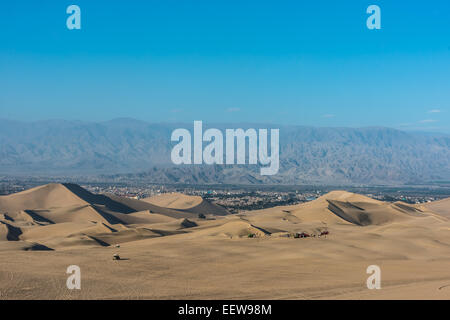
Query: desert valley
{"x": 175, "y": 246}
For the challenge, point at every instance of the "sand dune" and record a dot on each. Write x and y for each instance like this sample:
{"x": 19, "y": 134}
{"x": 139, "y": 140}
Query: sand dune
{"x": 139, "y": 205}
{"x": 164, "y": 240}
{"x": 65, "y": 215}
{"x": 441, "y": 207}
{"x": 340, "y": 207}
{"x": 42, "y": 197}
{"x": 237, "y": 228}
{"x": 65, "y": 210}
{"x": 147, "y": 217}
{"x": 54, "y": 230}
{"x": 9, "y": 232}
{"x": 185, "y": 203}
{"x": 175, "y": 200}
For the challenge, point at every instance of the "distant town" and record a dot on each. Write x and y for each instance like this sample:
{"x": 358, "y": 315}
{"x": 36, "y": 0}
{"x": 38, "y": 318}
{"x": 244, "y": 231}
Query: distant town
{"x": 237, "y": 198}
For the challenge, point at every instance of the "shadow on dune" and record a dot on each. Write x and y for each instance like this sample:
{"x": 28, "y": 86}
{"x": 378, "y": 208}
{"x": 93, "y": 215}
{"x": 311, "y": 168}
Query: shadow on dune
{"x": 38, "y": 247}
{"x": 12, "y": 233}
{"x": 349, "y": 212}
{"x": 100, "y": 242}
{"x": 37, "y": 217}
{"x": 7, "y": 217}
{"x": 109, "y": 217}
{"x": 139, "y": 205}
{"x": 188, "y": 223}
{"x": 164, "y": 233}
{"x": 261, "y": 229}
{"x": 206, "y": 207}
{"x": 98, "y": 199}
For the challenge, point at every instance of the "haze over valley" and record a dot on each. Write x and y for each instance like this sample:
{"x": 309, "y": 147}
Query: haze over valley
{"x": 127, "y": 148}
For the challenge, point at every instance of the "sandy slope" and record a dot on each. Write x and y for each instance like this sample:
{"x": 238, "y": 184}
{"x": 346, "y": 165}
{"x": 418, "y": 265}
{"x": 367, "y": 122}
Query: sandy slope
{"x": 441, "y": 207}
{"x": 185, "y": 203}
{"x": 175, "y": 200}
{"x": 42, "y": 197}
{"x": 172, "y": 253}
{"x": 60, "y": 216}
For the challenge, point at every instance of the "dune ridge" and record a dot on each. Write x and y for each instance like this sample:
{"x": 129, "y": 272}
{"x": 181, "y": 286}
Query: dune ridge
{"x": 60, "y": 214}
{"x": 185, "y": 203}
{"x": 298, "y": 251}
{"x": 67, "y": 215}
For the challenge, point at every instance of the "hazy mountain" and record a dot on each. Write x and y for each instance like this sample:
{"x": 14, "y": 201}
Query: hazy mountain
{"x": 307, "y": 155}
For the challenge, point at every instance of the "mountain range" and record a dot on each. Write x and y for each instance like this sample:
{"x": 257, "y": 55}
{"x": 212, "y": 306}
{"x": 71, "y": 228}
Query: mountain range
{"x": 133, "y": 149}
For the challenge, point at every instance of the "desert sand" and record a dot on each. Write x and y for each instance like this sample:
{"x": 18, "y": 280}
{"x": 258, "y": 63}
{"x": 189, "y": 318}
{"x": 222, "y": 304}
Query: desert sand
{"x": 175, "y": 246}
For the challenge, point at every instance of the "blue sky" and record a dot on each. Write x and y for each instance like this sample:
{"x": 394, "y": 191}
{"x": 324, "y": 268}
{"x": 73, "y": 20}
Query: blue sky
{"x": 288, "y": 62}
